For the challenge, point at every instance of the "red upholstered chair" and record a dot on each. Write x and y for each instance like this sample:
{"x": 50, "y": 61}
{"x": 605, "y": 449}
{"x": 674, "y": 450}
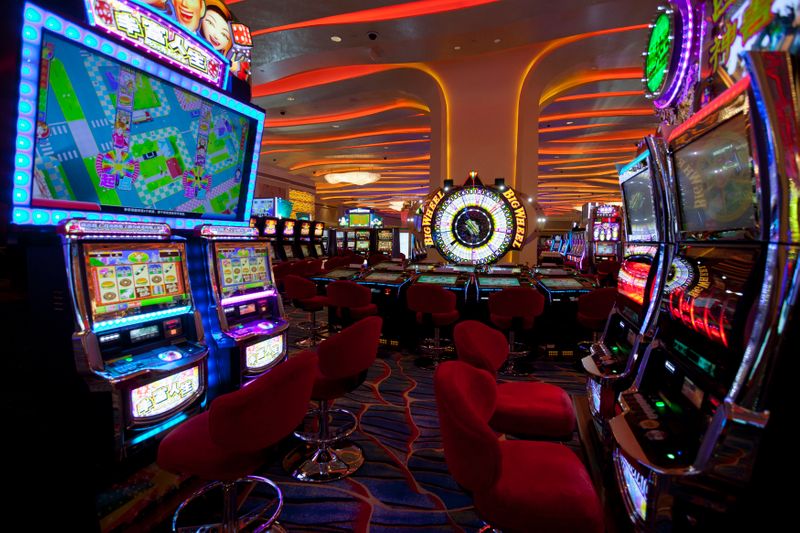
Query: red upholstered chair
{"x": 435, "y": 307}
{"x": 280, "y": 270}
{"x": 530, "y": 409}
{"x": 311, "y": 267}
{"x": 607, "y": 272}
{"x": 514, "y": 310}
{"x": 593, "y": 310}
{"x": 376, "y": 258}
{"x": 516, "y": 485}
{"x": 350, "y": 301}
{"x": 227, "y": 442}
{"x": 343, "y": 363}
{"x": 303, "y": 295}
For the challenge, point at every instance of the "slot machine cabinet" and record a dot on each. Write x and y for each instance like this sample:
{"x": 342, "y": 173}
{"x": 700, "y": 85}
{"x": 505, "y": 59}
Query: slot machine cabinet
{"x": 303, "y": 241}
{"x": 139, "y": 336}
{"x": 605, "y": 232}
{"x": 286, "y": 229}
{"x": 319, "y": 240}
{"x": 269, "y": 231}
{"x": 247, "y": 321}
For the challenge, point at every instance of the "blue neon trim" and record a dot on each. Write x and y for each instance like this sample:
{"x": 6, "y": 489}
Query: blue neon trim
{"x": 106, "y": 325}
{"x": 635, "y": 161}
{"x": 159, "y": 429}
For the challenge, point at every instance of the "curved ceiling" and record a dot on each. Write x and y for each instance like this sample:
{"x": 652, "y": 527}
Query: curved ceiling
{"x": 355, "y": 103}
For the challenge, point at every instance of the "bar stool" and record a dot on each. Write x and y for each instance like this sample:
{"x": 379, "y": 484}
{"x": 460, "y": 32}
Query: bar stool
{"x": 343, "y": 363}
{"x": 516, "y": 485}
{"x": 303, "y": 294}
{"x": 435, "y": 307}
{"x": 350, "y": 302}
{"x": 529, "y": 409}
{"x": 514, "y": 310}
{"x": 227, "y": 442}
{"x": 593, "y": 310}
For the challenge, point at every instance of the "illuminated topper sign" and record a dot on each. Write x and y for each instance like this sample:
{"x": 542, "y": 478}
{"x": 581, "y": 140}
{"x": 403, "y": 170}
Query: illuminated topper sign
{"x": 264, "y": 353}
{"x": 166, "y": 394}
{"x": 669, "y": 48}
{"x": 148, "y": 31}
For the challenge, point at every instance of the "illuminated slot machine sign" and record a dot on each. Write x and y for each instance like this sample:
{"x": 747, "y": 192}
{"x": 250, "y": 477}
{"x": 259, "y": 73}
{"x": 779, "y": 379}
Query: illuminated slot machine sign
{"x": 106, "y": 132}
{"x": 164, "y": 395}
{"x": 288, "y": 228}
{"x": 305, "y": 229}
{"x": 319, "y": 229}
{"x": 271, "y": 227}
{"x": 474, "y": 224}
{"x": 263, "y": 354}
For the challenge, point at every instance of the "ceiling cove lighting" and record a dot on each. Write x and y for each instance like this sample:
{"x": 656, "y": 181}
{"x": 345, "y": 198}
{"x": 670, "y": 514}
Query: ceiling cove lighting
{"x": 356, "y": 177}
{"x": 349, "y": 115}
{"x": 346, "y": 137}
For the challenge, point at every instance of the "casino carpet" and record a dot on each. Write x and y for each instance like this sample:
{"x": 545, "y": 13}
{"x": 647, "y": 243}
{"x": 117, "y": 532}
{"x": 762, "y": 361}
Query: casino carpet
{"x": 403, "y": 486}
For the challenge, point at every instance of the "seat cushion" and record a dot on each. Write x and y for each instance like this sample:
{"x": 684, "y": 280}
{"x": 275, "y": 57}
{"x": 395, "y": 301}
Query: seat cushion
{"x": 505, "y": 321}
{"x": 316, "y": 303}
{"x": 529, "y": 408}
{"x": 595, "y": 323}
{"x": 543, "y": 487}
{"x": 326, "y": 388}
{"x": 357, "y": 313}
{"x": 440, "y": 319}
{"x": 188, "y": 449}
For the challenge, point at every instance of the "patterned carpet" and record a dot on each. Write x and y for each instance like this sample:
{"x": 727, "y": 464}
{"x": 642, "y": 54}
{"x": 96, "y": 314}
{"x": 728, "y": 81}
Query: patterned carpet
{"x": 404, "y": 484}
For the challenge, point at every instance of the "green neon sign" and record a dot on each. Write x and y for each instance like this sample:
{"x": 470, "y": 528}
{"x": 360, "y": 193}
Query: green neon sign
{"x": 659, "y": 54}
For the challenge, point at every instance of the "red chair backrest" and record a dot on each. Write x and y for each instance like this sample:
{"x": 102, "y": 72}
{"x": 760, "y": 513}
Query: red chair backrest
{"x": 344, "y": 293}
{"x": 335, "y": 262}
{"x": 297, "y": 288}
{"x": 352, "y": 350}
{"x": 523, "y": 302}
{"x": 266, "y": 410}
{"x": 597, "y": 303}
{"x": 480, "y": 346}
{"x": 374, "y": 259}
{"x": 428, "y": 298}
{"x": 608, "y": 267}
{"x": 465, "y": 399}
{"x": 312, "y": 267}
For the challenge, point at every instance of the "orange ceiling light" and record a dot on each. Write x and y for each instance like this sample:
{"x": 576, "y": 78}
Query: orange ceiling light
{"x": 626, "y": 135}
{"x": 346, "y": 137}
{"x": 587, "y": 77}
{"x": 381, "y": 168}
{"x": 575, "y": 127}
{"x": 613, "y": 164}
{"x": 280, "y": 151}
{"x": 596, "y": 113}
{"x": 325, "y": 162}
{"x": 387, "y": 143}
{"x": 548, "y": 162}
{"x": 578, "y": 151}
{"x": 378, "y": 14}
{"x": 338, "y": 117}
{"x": 597, "y": 96}
{"x": 317, "y": 77}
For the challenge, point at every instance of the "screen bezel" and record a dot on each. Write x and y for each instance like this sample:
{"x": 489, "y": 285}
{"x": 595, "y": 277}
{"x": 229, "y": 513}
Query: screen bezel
{"x": 24, "y": 211}
{"x": 218, "y": 267}
{"x": 630, "y": 235}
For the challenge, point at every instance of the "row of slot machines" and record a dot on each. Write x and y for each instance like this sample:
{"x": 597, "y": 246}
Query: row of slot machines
{"x": 390, "y": 241}
{"x": 688, "y": 384}
{"x": 162, "y": 323}
{"x": 584, "y": 248}
{"x": 292, "y": 239}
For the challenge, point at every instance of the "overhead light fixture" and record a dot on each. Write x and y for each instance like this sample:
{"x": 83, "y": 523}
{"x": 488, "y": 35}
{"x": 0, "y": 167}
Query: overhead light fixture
{"x": 500, "y": 184}
{"x": 496, "y": 41}
{"x": 448, "y": 184}
{"x": 456, "y": 47}
{"x": 290, "y": 98}
{"x": 356, "y": 177}
{"x": 334, "y": 125}
{"x": 336, "y": 38}
{"x": 570, "y": 122}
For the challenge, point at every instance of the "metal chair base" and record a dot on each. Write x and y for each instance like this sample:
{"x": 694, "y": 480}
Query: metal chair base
{"x": 516, "y": 351}
{"x": 241, "y": 510}
{"x": 325, "y": 463}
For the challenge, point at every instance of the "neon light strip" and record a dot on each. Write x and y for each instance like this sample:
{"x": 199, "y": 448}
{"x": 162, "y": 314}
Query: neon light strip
{"x": 247, "y": 297}
{"x": 687, "y": 39}
{"x": 138, "y": 319}
{"x": 35, "y": 20}
{"x": 638, "y": 159}
{"x": 159, "y": 429}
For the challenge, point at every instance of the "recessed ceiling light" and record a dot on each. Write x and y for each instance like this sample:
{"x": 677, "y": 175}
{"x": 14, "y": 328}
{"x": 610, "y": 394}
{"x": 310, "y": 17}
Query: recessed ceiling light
{"x": 456, "y": 47}
{"x": 570, "y": 122}
{"x": 336, "y": 38}
{"x": 497, "y": 40}
{"x": 290, "y": 98}
{"x": 334, "y": 125}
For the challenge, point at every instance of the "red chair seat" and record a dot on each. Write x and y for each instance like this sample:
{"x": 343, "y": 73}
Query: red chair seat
{"x": 505, "y": 322}
{"x": 533, "y": 408}
{"x": 440, "y": 319}
{"x": 316, "y": 303}
{"x": 357, "y": 313}
{"x": 544, "y": 488}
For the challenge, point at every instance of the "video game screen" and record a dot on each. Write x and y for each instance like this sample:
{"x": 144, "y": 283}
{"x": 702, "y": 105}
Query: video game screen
{"x": 241, "y": 267}
{"x": 359, "y": 219}
{"x": 319, "y": 229}
{"x": 385, "y": 235}
{"x": 341, "y": 273}
{"x": 112, "y": 138}
{"x": 271, "y": 226}
{"x": 491, "y": 281}
{"x": 455, "y": 268}
{"x": 287, "y": 249}
{"x": 640, "y": 207}
{"x": 561, "y": 284}
{"x": 507, "y": 269}
{"x": 553, "y": 271}
{"x": 715, "y": 180}
{"x": 634, "y": 274}
{"x": 263, "y": 353}
{"x": 437, "y": 280}
{"x": 362, "y": 245}
{"x": 288, "y": 228}
{"x": 381, "y": 276}
{"x": 305, "y": 229}
{"x": 130, "y": 279}
{"x": 318, "y": 248}
{"x": 605, "y": 248}
{"x": 306, "y": 248}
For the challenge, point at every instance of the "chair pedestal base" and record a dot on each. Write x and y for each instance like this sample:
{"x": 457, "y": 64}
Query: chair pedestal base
{"x": 314, "y": 328}
{"x": 516, "y": 351}
{"x": 434, "y": 351}
{"x": 243, "y": 508}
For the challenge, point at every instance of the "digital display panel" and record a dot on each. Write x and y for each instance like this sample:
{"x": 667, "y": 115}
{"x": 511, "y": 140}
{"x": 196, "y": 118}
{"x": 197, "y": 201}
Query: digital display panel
{"x": 242, "y": 267}
{"x": 562, "y": 284}
{"x": 287, "y": 249}
{"x": 636, "y": 486}
{"x": 640, "y": 207}
{"x": 359, "y": 220}
{"x": 455, "y": 268}
{"x": 634, "y": 272}
{"x": 490, "y": 281}
{"x": 553, "y": 271}
{"x": 145, "y": 333}
{"x": 113, "y": 138}
{"x": 318, "y": 249}
{"x": 385, "y": 235}
{"x": 715, "y": 180}
{"x": 605, "y": 248}
{"x": 340, "y": 273}
{"x": 603, "y": 231}
{"x": 271, "y": 226}
{"x": 305, "y": 229}
{"x": 264, "y": 353}
{"x": 319, "y": 229}
{"x": 437, "y": 280}
{"x": 166, "y": 394}
{"x": 288, "y": 228}
{"x": 382, "y": 276}
{"x": 126, "y": 280}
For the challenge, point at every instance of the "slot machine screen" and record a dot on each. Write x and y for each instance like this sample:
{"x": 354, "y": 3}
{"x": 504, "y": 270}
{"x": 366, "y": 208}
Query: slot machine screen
{"x": 606, "y": 248}
{"x": 270, "y": 227}
{"x": 129, "y": 279}
{"x": 640, "y": 207}
{"x": 319, "y": 229}
{"x": 305, "y": 229}
{"x": 241, "y": 267}
{"x": 633, "y": 276}
{"x": 715, "y": 180}
{"x": 318, "y": 248}
{"x": 359, "y": 220}
{"x": 288, "y": 228}
{"x": 287, "y": 249}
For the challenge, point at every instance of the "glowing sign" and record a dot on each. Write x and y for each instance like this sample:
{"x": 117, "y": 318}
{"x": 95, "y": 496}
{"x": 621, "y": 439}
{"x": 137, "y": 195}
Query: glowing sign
{"x": 147, "y": 31}
{"x": 659, "y": 53}
{"x": 666, "y": 62}
{"x": 636, "y": 486}
{"x": 166, "y": 394}
{"x": 262, "y": 354}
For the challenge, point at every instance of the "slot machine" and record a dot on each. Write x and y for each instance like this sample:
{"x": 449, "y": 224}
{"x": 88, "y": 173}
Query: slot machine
{"x": 387, "y": 241}
{"x": 269, "y": 232}
{"x": 319, "y": 239}
{"x": 245, "y": 318}
{"x": 605, "y": 232}
{"x": 693, "y": 421}
{"x": 286, "y": 228}
{"x": 303, "y": 241}
{"x": 139, "y": 336}
{"x": 612, "y": 362}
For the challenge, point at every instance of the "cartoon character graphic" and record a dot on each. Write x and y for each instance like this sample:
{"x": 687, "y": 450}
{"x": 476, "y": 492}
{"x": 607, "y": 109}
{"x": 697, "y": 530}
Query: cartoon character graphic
{"x": 164, "y": 6}
{"x": 215, "y": 28}
{"x": 189, "y": 12}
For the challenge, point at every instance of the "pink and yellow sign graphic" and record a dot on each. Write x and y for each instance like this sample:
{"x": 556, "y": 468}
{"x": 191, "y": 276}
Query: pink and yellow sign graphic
{"x": 264, "y": 353}
{"x": 166, "y": 394}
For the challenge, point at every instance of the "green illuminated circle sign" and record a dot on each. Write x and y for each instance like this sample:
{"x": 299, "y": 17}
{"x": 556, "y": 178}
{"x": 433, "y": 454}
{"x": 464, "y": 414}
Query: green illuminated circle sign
{"x": 660, "y": 50}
